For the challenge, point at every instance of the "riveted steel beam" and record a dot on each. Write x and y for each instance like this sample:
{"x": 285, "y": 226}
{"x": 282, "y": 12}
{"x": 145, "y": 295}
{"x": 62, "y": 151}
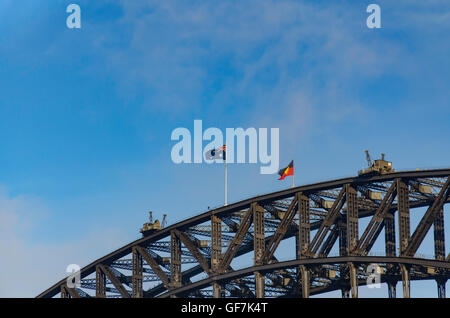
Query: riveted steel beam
{"x": 390, "y": 250}
{"x": 228, "y": 276}
{"x": 304, "y": 225}
{"x": 67, "y": 292}
{"x": 389, "y": 234}
{"x": 341, "y": 228}
{"x": 238, "y": 238}
{"x": 353, "y": 271}
{"x": 428, "y": 219}
{"x": 259, "y": 285}
{"x": 216, "y": 242}
{"x": 375, "y": 225}
{"x": 114, "y": 280}
{"x": 190, "y": 245}
{"x": 403, "y": 215}
{"x": 153, "y": 265}
{"x": 64, "y": 292}
{"x": 280, "y": 231}
{"x": 100, "y": 282}
{"x": 175, "y": 261}
{"x": 351, "y": 198}
{"x": 441, "y": 281}
{"x": 329, "y": 242}
{"x": 259, "y": 248}
{"x": 342, "y": 231}
{"x": 305, "y": 277}
{"x": 216, "y": 251}
{"x": 327, "y": 223}
{"x": 259, "y": 239}
{"x": 405, "y": 281}
{"x": 137, "y": 270}
{"x": 439, "y": 235}
{"x": 246, "y": 292}
{"x": 392, "y": 288}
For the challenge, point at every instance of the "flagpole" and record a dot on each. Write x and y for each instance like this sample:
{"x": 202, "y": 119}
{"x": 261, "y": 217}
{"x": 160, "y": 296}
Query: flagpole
{"x": 225, "y": 179}
{"x": 293, "y": 176}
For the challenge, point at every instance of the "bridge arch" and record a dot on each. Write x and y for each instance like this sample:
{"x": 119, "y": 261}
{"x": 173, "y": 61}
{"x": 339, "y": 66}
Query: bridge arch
{"x": 320, "y": 217}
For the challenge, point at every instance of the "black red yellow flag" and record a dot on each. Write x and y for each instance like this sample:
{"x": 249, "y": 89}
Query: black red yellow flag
{"x": 288, "y": 171}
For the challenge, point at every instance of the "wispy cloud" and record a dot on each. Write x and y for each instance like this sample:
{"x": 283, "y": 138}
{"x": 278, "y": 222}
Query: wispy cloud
{"x": 29, "y": 265}
{"x": 311, "y": 68}
{"x": 207, "y": 57}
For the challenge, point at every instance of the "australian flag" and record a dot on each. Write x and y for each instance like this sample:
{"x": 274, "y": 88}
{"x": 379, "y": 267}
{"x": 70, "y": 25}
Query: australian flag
{"x": 219, "y": 153}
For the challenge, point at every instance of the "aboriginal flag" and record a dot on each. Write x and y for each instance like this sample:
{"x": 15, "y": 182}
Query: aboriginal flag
{"x": 288, "y": 171}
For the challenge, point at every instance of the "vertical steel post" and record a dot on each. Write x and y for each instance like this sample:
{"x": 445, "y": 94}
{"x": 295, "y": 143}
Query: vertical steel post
{"x": 304, "y": 226}
{"x": 258, "y": 247}
{"x": 303, "y": 239}
{"x": 100, "y": 282}
{"x": 305, "y": 281}
{"x": 389, "y": 234}
{"x": 137, "y": 274}
{"x": 403, "y": 215}
{"x": 441, "y": 286}
{"x": 403, "y": 230}
{"x": 352, "y": 219}
{"x": 439, "y": 248}
{"x": 389, "y": 238}
{"x": 342, "y": 226}
{"x": 353, "y": 279}
{"x": 217, "y": 290}
{"x": 392, "y": 288}
{"x": 259, "y": 285}
{"x": 216, "y": 250}
{"x": 345, "y": 292}
{"x": 343, "y": 269}
{"x": 64, "y": 293}
{"x": 439, "y": 235}
{"x": 175, "y": 261}
{"x": 405, "y": 281}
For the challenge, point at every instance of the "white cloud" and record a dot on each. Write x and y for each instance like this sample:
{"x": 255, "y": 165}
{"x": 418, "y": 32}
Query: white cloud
{"x": 29, "y": 265}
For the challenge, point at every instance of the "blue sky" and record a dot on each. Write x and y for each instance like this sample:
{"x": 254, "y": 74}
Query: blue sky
{"x": 86, "y": 115}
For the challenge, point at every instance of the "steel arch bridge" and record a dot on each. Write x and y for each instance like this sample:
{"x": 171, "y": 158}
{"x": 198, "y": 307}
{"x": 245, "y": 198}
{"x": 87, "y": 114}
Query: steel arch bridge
{"x": 230, "y": 251}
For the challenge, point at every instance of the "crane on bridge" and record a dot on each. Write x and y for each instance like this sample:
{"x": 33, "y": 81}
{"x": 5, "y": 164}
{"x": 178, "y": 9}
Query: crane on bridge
{"x": 151, "y": 227}
{"x": 379, "y": 166}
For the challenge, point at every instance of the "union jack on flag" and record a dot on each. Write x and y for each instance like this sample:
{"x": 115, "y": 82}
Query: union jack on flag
{"x": 219, "y": 153}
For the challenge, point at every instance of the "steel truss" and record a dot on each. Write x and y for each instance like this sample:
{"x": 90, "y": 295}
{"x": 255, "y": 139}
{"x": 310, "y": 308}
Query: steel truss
{"x": 234, "y": 251}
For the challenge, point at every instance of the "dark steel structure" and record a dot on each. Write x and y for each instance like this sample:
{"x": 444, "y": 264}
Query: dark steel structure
{"x": 247, "y": 249}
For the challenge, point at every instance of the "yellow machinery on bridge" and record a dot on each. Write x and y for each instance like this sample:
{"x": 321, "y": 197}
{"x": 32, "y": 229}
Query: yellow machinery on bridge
{"x": 379, "y": 166}
{"x": 151, "y": 227}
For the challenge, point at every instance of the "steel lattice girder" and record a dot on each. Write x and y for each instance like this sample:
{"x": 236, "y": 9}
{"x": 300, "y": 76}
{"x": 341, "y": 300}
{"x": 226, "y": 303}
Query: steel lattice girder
{"x": 364, "y": 205}
{"x": 399, "y": 261}
{"x": 428, "y": 219}
{"x": 376, "y": 223}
